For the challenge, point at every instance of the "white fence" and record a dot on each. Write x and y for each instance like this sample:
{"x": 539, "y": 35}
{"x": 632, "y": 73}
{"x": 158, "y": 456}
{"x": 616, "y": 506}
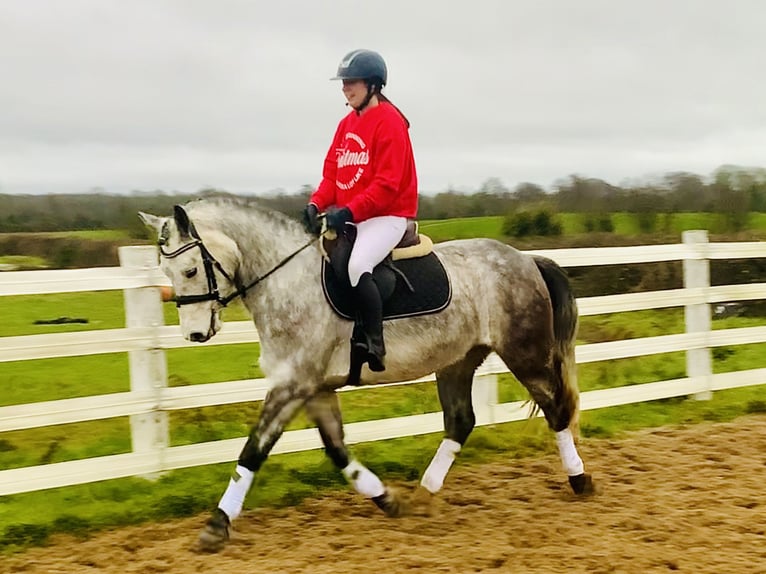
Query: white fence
{"x": 145, "y": 338}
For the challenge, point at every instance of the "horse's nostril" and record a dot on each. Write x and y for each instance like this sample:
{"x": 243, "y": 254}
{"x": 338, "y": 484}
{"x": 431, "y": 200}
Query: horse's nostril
{"x": 196, "y": 337}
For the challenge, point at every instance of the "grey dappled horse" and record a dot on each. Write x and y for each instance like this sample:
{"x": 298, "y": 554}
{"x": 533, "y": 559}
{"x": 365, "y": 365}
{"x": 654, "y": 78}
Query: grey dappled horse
{"x": 519, "y": 306}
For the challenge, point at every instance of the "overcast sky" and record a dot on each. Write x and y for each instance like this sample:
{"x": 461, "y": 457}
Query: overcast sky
{"x": 234, "y": 94}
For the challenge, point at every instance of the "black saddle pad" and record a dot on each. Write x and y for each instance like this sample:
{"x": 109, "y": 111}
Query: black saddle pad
{"x": 431, "y": 293}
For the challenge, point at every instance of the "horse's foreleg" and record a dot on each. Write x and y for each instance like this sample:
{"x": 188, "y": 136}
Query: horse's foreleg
{"x": 324, "y": 410}
{"x": 280, "y": 406}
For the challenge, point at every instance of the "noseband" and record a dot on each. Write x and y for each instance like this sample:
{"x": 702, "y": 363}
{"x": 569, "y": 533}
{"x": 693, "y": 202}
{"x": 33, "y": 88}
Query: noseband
{"x": 212, "y": 285}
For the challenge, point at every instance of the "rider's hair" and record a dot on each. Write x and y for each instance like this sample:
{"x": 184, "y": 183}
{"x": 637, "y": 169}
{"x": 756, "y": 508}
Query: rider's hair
{"x": 383, "y": 98}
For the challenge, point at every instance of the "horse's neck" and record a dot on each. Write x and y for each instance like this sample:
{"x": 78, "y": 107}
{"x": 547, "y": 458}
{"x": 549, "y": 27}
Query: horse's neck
{"x": 265, "y": 250}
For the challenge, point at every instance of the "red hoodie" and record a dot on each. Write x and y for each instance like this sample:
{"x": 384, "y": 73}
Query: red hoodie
{"x": 369, "y": 167}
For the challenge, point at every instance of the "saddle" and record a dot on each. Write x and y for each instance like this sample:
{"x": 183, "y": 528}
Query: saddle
{"x": 411, "y": 279}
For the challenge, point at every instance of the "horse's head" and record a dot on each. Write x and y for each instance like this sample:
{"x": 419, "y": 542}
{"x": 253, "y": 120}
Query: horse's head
{"x": 202, "y": 273}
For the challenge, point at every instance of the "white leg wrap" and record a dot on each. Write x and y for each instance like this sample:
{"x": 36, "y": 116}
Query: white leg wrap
{"x": 433, "y": 478}
{"x": 364, "y": 481}
{"x": 569, "y": 457}
{"x": 234, "y": 497}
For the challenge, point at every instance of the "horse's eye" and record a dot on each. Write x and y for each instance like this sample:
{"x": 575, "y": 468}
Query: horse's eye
{"x": 190, "y": 272}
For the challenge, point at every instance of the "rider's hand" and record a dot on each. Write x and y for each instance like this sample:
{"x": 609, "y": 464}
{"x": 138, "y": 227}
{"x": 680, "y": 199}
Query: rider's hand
{"x": 311, "y": 221}
{"x": 337, "y": 218}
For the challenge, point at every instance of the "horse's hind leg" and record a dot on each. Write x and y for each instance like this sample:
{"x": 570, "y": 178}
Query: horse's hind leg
{"x": 539, "y": 348}
{"x": 324, "y": 410}
{"x": 546, "y": 386}
{"x": 454, "y": 385}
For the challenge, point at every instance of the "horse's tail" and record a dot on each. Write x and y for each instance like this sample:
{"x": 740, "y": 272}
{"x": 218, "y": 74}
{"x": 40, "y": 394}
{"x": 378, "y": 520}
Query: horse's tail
{"x": 565, "y": 319}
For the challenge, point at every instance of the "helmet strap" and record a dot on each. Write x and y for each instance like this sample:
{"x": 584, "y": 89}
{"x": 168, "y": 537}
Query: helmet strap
{"x": 372, "y": 89}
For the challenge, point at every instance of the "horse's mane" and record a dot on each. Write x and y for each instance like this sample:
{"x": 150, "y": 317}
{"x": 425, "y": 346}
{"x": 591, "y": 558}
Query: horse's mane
{"x": 249, "y": 207}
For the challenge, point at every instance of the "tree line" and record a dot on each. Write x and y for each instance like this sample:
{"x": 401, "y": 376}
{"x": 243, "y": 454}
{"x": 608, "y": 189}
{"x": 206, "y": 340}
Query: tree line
{"x": 730, "y": 190}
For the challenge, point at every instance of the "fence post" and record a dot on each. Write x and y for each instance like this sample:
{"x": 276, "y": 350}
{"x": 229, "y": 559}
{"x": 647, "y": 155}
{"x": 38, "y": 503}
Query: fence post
{"x": 148, "y": 367}
{"x": 484, "y": 397}
{"x": 697, "y": 317}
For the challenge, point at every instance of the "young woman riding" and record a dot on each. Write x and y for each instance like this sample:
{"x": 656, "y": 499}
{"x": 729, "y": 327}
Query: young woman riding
{"x": 368, "y": 181}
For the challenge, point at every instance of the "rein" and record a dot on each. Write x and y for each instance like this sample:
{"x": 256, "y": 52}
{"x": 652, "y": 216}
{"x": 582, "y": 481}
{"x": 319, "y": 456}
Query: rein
{"x": 212, "y": 285}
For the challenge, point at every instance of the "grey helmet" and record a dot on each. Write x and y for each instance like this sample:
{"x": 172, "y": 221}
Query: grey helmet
{"x": 362, "y": 65}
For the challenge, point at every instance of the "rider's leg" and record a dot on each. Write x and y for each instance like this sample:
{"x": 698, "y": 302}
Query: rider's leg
{"x": 370, "y": 312}
{"x": 375, "y": 238}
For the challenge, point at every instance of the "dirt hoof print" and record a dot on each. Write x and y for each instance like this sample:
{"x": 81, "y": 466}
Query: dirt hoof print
{"x": 210, "y": 542}
{"x": 421, "y": 502}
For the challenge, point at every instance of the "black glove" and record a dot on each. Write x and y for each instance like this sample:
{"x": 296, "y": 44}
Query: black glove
{"x": 311, "y": 219}
{"x": 338, "y": 218}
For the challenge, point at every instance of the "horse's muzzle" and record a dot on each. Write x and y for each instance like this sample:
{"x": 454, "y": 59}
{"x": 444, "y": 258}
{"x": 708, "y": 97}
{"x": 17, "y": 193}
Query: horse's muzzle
{"x": 198, "y": 337}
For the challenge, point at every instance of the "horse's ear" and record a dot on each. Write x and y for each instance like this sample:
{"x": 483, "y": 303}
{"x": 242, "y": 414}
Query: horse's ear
{"x": 182, "y": 221}
{"x": 152, "y": 221}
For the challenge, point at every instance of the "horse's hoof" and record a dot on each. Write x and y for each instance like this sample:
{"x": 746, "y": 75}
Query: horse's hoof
{"x": 390, "y": 503}
{"x": 215, "y": 535}
{"x": 582, "y": 484}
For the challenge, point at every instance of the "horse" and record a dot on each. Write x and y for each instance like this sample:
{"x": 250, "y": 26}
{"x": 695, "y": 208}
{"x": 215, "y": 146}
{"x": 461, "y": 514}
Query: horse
{"x": 520, "y": 306}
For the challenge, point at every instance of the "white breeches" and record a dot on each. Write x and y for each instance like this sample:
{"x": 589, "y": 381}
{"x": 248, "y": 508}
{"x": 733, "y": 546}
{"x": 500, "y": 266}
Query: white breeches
{"x": 375, "y": 238}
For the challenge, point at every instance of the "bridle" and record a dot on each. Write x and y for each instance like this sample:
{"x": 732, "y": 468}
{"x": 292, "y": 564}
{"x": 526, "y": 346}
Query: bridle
{"x": 210, "y": 264}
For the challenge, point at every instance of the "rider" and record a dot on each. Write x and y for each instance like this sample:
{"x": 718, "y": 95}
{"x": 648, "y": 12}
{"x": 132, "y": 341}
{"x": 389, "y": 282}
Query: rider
{"x": 369, "y": 181}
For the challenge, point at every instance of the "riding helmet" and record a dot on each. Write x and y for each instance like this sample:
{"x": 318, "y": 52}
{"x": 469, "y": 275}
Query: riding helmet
{"x": 362, "y": 65}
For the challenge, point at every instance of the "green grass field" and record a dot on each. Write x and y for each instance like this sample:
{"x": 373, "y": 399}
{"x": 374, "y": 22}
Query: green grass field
{"x": 12, "y": 262}
{"x": 94, "y": 234}
{"x": 574, "y": 224}
{"x": 30, "y": 518}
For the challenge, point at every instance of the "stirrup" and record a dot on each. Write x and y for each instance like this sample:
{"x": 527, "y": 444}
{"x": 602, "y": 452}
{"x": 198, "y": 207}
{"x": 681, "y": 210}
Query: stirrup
{"x": 357, "y": 360}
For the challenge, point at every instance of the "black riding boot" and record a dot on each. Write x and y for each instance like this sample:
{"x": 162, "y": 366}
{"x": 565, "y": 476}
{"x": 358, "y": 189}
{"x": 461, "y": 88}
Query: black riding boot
{"x": 370, "y": 312}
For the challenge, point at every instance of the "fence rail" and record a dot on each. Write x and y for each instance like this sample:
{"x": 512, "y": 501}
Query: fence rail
{"x": 145, "y": 339}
